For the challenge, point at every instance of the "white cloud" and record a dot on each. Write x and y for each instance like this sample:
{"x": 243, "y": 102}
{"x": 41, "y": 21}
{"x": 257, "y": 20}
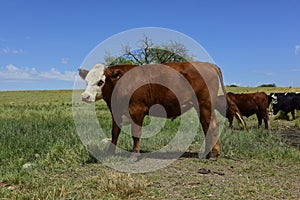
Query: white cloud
{"x": 297, "y": 49}
{"x": 64, "y": 61}
{"x": 11, "y": 68}
{"x": 12, "y": 73}
{"x": 12, "y": 51}
{"x": 295, "y": 70}
{"x": 54, "y": 74}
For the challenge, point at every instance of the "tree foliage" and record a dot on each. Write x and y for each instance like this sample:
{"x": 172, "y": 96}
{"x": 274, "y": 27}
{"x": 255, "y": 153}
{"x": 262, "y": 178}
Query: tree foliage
{"x": 232, "y": 85}
{"x": 267, "y": 85}
{"x": 149, "y": 53}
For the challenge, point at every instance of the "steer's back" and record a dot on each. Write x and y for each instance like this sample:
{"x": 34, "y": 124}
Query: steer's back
{"x": 202, "y": 76}
{"x": 176, "y": 86}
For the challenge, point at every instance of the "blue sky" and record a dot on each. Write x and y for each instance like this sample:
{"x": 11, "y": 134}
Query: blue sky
{"x": 42, "y": 43}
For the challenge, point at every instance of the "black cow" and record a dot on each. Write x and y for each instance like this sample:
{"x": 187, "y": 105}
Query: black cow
{"x": 286, "y": 102}
{"x": 273, "y": 97}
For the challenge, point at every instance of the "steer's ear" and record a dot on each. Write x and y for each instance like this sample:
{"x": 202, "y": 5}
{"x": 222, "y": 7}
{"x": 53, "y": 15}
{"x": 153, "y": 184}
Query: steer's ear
{"x": 83, "y": 73}
{"x": 116, "y": 74}
{"x": 113, "y": 74}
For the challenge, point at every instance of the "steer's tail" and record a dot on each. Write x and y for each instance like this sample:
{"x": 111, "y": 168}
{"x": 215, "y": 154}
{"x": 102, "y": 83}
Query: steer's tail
{"x": 237, "y": 112}
{"x": 221, "y": 79}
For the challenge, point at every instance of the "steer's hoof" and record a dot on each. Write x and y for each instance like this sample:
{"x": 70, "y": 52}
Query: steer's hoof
{"x": 110, "y": 153}
{"x": 213, "y": 155}
{"x": 111, "y": 149}
{"x": 134, "y": 157}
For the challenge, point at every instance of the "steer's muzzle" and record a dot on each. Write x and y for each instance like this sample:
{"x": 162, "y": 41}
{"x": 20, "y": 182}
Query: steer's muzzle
{"x": 86, "y": 98}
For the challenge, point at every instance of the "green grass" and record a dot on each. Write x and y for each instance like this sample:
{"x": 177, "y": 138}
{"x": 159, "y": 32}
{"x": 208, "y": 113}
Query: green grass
{"x": 267, "y": 90}
{"x": 35, "y": 132}
{"x": 42, "y": 157}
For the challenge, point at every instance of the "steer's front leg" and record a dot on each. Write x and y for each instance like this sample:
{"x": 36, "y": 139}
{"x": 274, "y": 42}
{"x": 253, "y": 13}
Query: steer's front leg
{"x": 115, "y": 132}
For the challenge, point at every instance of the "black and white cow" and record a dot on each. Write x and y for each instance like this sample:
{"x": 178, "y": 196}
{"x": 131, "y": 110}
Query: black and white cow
{"x": 286, "y": 102}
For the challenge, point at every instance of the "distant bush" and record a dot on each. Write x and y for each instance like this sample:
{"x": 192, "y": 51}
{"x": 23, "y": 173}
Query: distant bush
{"x": 233, "y": 85}
{"x": 267, "y": 85}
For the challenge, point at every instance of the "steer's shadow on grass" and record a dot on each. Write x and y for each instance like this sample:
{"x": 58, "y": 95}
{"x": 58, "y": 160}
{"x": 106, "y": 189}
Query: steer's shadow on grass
{"x": 168, "y": 155}
{"x": 144, "y": 155}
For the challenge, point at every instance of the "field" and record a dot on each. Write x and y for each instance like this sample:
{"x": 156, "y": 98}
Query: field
{"x": 42, "y": 157}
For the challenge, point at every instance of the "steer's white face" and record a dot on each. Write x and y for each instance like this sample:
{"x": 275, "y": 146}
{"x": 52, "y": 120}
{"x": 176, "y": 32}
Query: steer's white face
{"x": 95, "y": 81}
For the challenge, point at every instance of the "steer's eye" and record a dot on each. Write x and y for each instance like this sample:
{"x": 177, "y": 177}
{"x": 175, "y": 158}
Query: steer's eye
{"x": 100, "y": 83}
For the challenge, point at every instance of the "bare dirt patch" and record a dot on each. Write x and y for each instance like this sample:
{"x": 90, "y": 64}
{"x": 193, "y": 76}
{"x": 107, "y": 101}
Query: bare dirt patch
{"x": 291, "y": 136}
{"x": 227, "y": 178}
{"x": 290, "y": 132}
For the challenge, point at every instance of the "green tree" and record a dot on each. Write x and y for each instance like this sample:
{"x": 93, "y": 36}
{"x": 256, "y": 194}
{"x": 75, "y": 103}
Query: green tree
{"x": 149, "y": 53}
{"x": 267, "y": 85}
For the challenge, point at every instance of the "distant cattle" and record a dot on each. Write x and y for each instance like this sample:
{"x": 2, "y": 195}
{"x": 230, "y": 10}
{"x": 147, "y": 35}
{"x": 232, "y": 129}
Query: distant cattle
{"x": 202, "y": 77}
{"x": 249, "y": 104}
{"x": 286, "y": 102}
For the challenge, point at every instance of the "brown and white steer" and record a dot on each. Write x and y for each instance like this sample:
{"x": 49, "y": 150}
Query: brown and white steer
{"x": 203, "y": 79}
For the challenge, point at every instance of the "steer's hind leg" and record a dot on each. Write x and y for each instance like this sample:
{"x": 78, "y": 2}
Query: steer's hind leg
{"x": 230, "y": 120}
{"x": 293, "y": 114}
{"x": 263, "y": 115}
{"x": 209, "y": 123}
{"x": 136, "y": 131}
{"x": 259, "y": 119}
{"x": 137, "y": 113}
{"x": 266, "y": 118}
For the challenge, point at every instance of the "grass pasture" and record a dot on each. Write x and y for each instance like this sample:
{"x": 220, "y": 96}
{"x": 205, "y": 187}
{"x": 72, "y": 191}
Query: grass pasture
{"x": 42, "y": 157}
